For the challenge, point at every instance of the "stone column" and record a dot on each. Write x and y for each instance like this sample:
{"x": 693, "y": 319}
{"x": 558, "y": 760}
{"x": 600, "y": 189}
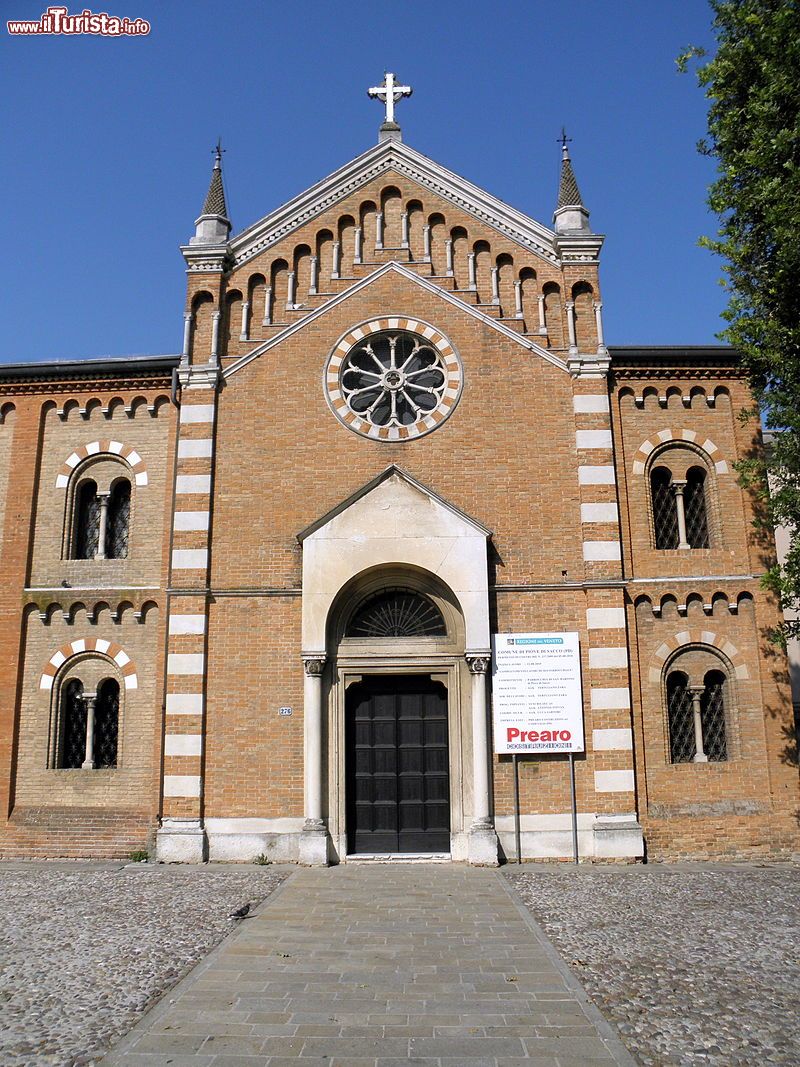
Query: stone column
{"x": 336, "y": 263}
{"x": 404, "y": 230}
{"x": 187, "y": 336}
{"x": 542, "y": 318}
{"x": 314, "y": 283}
{"x": 379, "y": 230}
{"x": 678, "y": 488}
{"x": 473, "y": 278}
{"x": 245, "y": 320}
{"x": 267, "y": 320}
{"x": 90, "y": 699}
{"x": 313, "y": 848}
{"x": 598, "y": 318}
{"x": 426, "y": 243}
{"x": 573, "y": 343}
{"x": 697, "y": 693}
{"x": 102, "y": 527}
{"x": 290, "y": 281}
{"x": 482, "y": 836}
{"x": 215, "y": 321}
{"x": 495, "y": 285}
{"x": 518, "y": 299}
{"x": 358, "y": 237}
{"x": 448, "y": 247}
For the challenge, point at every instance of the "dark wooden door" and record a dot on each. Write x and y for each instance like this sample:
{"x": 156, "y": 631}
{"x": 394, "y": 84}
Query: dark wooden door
{"x": 398, "y": 783}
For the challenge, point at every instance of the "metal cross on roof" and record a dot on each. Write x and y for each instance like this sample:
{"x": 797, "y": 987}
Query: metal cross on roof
{"x": 563, "y": 140}
{"x": 389, "y": 93}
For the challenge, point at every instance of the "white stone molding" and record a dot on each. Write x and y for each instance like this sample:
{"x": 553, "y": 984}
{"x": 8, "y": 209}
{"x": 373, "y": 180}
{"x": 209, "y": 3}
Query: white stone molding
{"x": 126, "y": 453}
{"x": 397, "y": 157}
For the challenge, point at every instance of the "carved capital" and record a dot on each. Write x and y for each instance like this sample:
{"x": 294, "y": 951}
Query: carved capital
{"x": 478, "y": 664}
{"x": 313, "y": 665}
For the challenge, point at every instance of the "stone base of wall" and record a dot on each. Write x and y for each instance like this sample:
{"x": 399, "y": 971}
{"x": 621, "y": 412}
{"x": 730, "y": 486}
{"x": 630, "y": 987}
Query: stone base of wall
{"x": 601, "y": 838}
{"x": 742, "y": 837}
{"x": 75, "y": 833}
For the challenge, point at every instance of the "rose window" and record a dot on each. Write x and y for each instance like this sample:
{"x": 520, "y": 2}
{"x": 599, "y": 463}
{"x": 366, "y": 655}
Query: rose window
{"x": 393, "y": 379}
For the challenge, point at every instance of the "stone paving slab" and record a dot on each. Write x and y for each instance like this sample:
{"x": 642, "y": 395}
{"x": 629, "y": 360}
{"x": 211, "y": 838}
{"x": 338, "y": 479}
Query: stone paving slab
{"x": 695, "y": 963}
{"x": 379, "y": 965}
{"x": 87, "y": 947}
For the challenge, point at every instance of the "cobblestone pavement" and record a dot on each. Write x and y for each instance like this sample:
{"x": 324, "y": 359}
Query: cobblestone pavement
{"x": 381, "y": 966}
{"x": 86, "y": 947}
{"x": 695, "y": 964}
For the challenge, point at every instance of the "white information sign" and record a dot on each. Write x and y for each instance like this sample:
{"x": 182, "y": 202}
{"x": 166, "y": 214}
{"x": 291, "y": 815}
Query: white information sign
{"x": 537, "y": 701}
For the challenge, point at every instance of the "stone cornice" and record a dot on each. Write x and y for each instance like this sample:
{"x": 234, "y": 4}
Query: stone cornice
{"x": 33, "y": 385}
{"x": 403, "y": 160}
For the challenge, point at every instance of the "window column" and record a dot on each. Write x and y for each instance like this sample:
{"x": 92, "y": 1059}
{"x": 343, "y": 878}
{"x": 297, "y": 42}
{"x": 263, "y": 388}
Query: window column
{"x": 102, "y": 499}
{"x": 697, "y": 692}
{"x": 90, "y": 700}
{"x": 678, "y": 488}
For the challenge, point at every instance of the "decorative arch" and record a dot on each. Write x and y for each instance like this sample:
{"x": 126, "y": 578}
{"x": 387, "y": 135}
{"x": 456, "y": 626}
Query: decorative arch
{"x": 642, "y": 457}
{"x": 109, "y": 649}
{"x": 98, "y": 448}
{"x": 694, "y": 637}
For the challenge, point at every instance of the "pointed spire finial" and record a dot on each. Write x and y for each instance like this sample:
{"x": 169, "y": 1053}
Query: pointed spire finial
{"x": 213, "y": 226}
{"x": 570, "y": 215}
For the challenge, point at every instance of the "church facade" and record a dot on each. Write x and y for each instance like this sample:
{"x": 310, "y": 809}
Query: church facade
{"x": 249, "y": 591}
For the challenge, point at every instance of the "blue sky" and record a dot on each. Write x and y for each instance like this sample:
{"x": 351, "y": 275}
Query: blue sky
{"x": 107, "y": 145}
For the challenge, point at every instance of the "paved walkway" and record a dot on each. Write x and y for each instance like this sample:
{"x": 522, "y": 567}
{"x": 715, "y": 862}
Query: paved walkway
{"x": 379, "y": 965}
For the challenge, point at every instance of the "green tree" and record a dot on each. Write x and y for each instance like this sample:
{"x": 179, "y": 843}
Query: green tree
{"x": 753, "y": 86}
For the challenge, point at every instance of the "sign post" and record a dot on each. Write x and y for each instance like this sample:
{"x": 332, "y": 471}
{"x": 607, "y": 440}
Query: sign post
{"x": 538, "y": 704}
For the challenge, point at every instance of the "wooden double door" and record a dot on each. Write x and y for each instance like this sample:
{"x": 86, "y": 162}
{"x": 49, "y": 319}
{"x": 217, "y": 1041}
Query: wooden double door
{"x": 397, "y": 765}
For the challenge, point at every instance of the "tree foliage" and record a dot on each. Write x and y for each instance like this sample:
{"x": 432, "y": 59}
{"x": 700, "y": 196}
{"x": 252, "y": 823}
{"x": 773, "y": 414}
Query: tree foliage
{"x": 753, "y": 87}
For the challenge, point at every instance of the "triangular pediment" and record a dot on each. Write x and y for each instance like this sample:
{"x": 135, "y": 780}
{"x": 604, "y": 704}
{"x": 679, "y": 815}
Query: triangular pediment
{"x": 424, "y": 283}
{"x": 403, "y": 160}
{"x": 383, "y": 508}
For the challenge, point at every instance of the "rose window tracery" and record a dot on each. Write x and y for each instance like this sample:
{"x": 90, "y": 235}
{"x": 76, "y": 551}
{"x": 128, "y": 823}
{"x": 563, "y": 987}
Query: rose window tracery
{"x": 393, "y": 379}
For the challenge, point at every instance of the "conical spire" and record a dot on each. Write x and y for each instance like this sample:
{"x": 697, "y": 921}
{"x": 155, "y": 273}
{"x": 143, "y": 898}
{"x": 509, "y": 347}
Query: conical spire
{"x": 570, "y": 215}
{"x": 215, "y": 200}
{"x": 213, "y": 226}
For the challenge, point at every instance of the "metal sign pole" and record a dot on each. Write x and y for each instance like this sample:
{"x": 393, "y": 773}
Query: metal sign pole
{"x": 574, "y": 807}
{"x": 515, "y": 758}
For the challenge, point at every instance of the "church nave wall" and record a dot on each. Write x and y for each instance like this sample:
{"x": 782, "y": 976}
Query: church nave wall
{"x": 90, "y": 649}
{"x": 118, "y": 440}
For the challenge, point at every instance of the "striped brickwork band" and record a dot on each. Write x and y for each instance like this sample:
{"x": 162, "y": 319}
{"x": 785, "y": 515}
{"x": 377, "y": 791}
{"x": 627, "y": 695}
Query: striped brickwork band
{"x": 602, "y": 552}
{"x": 611, "y": 739}
{"x": 187, "y": 623}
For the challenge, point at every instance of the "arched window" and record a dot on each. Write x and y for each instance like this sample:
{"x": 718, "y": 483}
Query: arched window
{"x": 695, "y": 508}
{"x": 87, "y": 721}
{"x": 665, "y": 515}
{"x": 397, "y": 613}
{"x": 106, "y": 723}
{"x": 71, "y": 749}
{"x": 697, "y": 710}
{"x": 87, "y": 521}
{"x": 118, "y": 522}
{"x": 681, "y": 722}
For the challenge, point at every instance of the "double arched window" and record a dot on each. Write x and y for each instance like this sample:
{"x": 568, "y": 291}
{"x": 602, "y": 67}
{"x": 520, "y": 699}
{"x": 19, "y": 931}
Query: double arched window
{"x": 87, "y": 729}
{"x": 679, "y": 502}
{"x": 101, "y": 519}
{"x": 698, "y": 703}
